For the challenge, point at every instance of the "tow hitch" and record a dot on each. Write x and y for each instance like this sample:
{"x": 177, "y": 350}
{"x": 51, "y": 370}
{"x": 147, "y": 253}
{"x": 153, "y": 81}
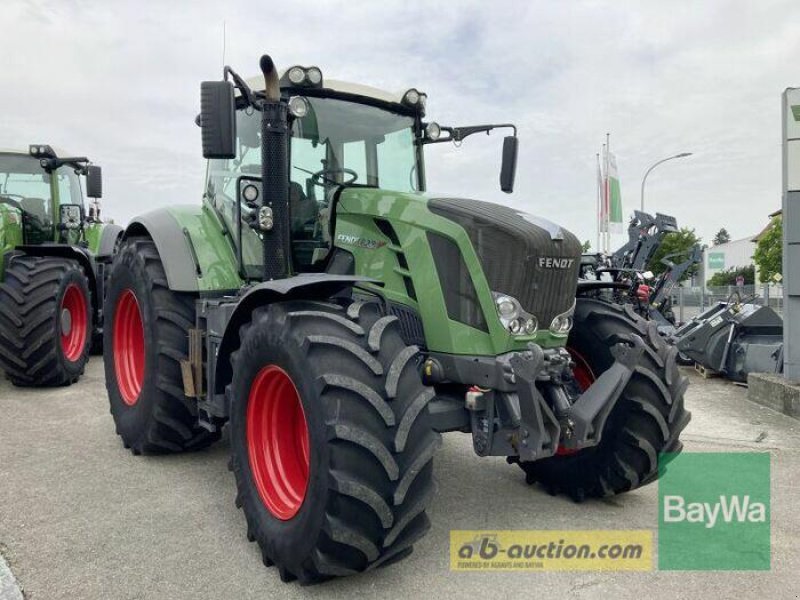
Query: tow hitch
{"x": 533, "y": 421}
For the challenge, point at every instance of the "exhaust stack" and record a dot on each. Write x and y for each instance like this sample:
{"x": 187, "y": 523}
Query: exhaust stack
{"x": 274, "y": 175}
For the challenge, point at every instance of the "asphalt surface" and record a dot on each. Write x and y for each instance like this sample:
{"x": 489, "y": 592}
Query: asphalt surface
{"x": 80, "y": 517}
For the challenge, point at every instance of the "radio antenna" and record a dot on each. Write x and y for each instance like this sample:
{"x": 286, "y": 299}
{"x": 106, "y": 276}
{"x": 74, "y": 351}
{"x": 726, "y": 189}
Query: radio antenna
{"x": 223, "y": 43}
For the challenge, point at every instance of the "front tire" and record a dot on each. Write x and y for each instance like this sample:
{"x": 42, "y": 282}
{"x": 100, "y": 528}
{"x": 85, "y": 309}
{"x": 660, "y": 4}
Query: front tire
{"x": 646, "y": 421}
{"x": 45, "y": 321}
{"x": 330, "y": 438}
{"x": 145, "y": 338}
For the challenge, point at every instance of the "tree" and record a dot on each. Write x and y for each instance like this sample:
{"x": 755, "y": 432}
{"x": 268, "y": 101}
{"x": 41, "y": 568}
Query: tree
{"x": 679, "y": 243}
{"x": 587, "y": 245}
{"x": 729, "y": 276}
{"x": 769, "y": 251}
{"x": 722, "y": 237}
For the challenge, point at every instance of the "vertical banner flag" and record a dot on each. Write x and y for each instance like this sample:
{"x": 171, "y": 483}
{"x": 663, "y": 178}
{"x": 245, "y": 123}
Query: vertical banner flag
{"x": 601, "y": 208}
{"x": 613, "y": 197}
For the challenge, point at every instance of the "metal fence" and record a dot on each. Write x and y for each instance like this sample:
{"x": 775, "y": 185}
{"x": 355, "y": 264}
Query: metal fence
{"x": 690, "y": 301}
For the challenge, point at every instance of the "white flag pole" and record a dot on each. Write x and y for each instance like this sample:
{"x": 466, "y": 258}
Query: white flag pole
{"x": 599, "y": 213}
{"x": 607, "y": 197}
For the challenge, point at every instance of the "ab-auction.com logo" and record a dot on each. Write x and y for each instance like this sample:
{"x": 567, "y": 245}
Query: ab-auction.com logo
{"x": 549, "y": 550}
{"x": 714, "y": 511}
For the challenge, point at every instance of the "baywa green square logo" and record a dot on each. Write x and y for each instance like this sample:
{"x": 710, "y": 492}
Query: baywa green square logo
{"x": 714, "y": 511}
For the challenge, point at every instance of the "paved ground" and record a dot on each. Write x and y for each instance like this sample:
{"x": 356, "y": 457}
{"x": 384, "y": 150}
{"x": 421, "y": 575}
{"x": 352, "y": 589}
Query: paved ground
{"x": 82, "y": 518}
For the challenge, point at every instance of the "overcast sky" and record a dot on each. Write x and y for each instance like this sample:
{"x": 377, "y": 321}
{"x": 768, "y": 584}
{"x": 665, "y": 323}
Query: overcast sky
{"x": 119, "y": 81}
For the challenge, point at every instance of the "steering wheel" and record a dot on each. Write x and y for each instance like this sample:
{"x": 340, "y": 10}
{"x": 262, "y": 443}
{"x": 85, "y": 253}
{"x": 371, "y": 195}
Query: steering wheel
{"x": 7, "y": 199}
{"x": 327, "y": 175}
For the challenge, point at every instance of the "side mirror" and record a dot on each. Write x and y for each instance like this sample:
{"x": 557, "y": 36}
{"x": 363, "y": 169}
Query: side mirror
{"x": 508, "y": 170}
{"x": 218, "y": 119}
{"x": 94, "y": 181}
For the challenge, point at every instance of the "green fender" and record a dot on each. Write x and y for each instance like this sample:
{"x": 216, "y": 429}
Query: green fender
{"x": 194, "y": 246}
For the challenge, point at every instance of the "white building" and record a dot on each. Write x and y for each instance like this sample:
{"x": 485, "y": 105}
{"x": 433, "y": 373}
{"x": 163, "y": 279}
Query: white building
{"x": 738, "y": 253}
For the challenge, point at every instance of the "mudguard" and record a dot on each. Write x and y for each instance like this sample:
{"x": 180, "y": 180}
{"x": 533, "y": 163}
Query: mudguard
{"x": 108, "y": 239}
{"x": 194, "y": 248}
{"x": 309, "y": 286}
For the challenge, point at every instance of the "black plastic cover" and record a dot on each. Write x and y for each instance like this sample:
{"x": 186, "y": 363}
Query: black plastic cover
{"x": 459, "y": 292}
{"x": 531, "y": 259}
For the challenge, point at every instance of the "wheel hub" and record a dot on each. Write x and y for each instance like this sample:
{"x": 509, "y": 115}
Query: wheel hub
{"x": 73, "y": 322}
{"x": 66, "y": 321}
{"x": 277, "y": 442}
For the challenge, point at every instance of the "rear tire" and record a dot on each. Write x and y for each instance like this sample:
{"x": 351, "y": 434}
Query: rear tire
{"x": 646, "y": 421}
{"x": 45, "y": 321}
{"x": 145, "y": 338}
{"x": 358, "y": 489}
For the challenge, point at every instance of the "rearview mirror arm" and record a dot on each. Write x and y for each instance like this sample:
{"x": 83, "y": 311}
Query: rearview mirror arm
{"x": 457, "y": 134}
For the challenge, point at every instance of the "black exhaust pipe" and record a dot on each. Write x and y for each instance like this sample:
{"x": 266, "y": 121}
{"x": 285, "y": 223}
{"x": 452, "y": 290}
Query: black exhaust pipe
{"x": 274, "y": 214}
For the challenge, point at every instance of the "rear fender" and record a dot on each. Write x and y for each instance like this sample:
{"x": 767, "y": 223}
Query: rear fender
{"x": 194, "y": 247}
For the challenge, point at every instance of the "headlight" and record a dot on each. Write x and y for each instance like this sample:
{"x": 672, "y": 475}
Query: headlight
{"x": 41, "y": 151}
{"x": 250, "y": 193}
{"x": 298, "y": 106}
{"x": 512, "y": 315}
{"x": 507, "y": 307}
{"x": 296, "y": 75}
{"x": 562, "y": 324}
{"x": 411, "y": 97}
{"x": 531, "y": 326}
{"x": 433, "y": 131}
{"x": 299, "y": 76}
{"x": 314, "y": 75}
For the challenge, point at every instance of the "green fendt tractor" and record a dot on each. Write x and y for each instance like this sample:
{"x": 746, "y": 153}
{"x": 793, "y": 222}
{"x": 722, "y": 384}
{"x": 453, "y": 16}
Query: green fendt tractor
{"x": 338, "y": 318}
{"x": 54, "y": 256}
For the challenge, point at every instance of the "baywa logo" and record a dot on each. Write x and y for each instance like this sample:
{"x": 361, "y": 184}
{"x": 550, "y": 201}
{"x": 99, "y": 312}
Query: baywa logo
{"x": 354, "y": 240}
{"x": 731, "y": 509}
{"x": 714, "y": 511}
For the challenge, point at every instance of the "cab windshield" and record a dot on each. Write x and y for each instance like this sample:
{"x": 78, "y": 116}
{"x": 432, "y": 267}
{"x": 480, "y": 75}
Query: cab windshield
{"x": 337, "y": 142}
{"x": 29, "y": 188}
{"x": 354, "y": 143}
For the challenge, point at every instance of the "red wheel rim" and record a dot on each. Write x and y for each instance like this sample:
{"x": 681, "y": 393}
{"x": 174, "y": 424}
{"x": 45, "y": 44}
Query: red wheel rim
{"x": 128, "y": 347}
{"x": 277, "y": 442}
{"x": 584, "y": 377}
{"x": 74, "y": 322}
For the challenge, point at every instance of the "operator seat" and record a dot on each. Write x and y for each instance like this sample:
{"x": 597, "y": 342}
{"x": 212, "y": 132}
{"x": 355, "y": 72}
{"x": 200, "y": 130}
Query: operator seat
{"x": 36, "y": 208}
{"x": 304, "y": 210}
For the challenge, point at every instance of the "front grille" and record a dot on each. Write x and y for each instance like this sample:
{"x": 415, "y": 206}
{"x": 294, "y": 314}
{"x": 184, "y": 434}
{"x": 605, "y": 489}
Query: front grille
{"x": 460, "y": 296}
{"x": 509, "y": 244}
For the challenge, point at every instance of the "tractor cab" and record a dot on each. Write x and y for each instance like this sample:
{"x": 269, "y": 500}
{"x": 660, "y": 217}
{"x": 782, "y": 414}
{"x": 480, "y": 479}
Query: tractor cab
{"x": 335, "y": 143}
{"x": 44, "y": 192}
{"x": 341, "y": 135}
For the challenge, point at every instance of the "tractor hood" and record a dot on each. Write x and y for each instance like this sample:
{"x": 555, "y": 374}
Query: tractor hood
{"x": 527, "y": 257}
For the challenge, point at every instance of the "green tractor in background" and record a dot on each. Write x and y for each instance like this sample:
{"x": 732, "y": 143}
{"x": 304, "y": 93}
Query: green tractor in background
{"x": 338, "y": 319}
{"x": 54, "y": 260}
